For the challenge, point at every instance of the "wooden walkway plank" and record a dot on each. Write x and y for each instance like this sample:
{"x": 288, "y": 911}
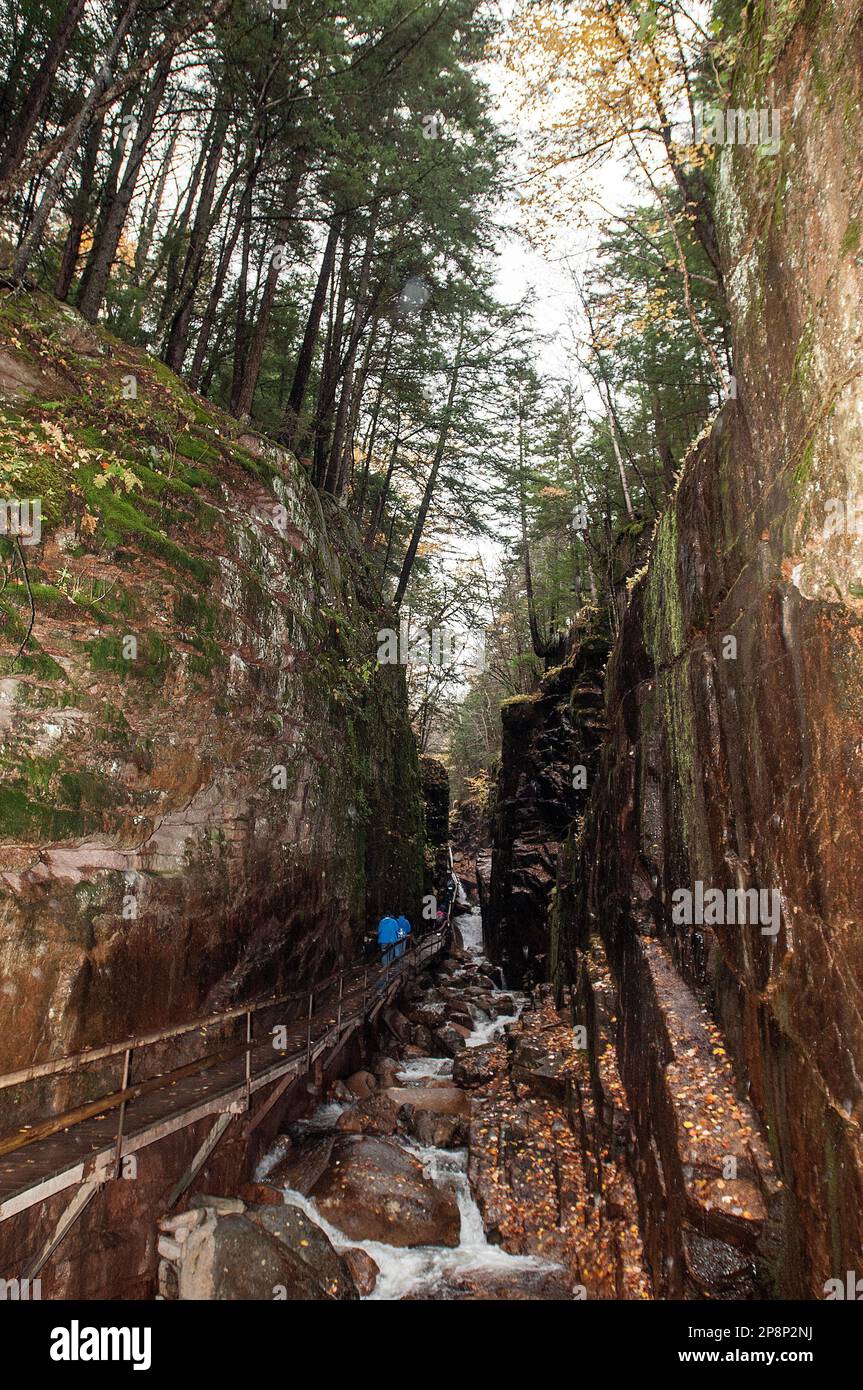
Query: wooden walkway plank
{"x": 84, "y": 1146}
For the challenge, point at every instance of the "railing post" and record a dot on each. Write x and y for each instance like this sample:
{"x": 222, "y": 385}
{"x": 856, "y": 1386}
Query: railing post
{"x": 127, "y": 1064}
{"x": 339, "y": 1014}
{"x": 309, "y": 1031}
{"x": 248, "y": 1059}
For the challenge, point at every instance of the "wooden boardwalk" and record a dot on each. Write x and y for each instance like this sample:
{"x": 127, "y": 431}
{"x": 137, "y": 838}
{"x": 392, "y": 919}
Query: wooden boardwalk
{"x": 84, "y": 1147}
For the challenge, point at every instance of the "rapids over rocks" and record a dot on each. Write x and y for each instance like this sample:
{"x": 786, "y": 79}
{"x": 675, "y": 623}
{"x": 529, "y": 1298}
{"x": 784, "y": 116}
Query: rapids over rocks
{"x": 464, "y": 1163}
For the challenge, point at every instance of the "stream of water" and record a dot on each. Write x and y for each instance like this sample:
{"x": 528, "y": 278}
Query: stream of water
{"x": 425, "y": 1271}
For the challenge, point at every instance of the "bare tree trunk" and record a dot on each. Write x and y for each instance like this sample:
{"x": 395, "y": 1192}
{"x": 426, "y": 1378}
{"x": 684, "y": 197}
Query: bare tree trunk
{"x": 240, "y": 320}
{"x": 347, "y": 467}
{"x": 330, "y": 368}
{"x": 78, "y": 212}
{"x": 540, "y": 646}
{"x": 334, "y": 481}
{"x": 620, "y": 468}
{"x": 179, "y": 221}
{"x": 32, "y": 106}
{"x": 290, "y": 426}
{"x": 208, "y": 321}
{"x": 95, "y": 279}
{"x": 381, "y": 500}
{"x": 178, "y": 333}
{"x": 254, "y": 354}
{"x": 152, "y": 209}
{"x": 376, "y": 410}
{"x": 102, "y": 81}
{"x": 419, "y": 524}
{"x": 215, "y": 351}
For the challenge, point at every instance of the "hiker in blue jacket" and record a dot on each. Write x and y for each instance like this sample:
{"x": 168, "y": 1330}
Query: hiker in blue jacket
{"x": 404, "y": 927}
{"x": 388, "y": 936}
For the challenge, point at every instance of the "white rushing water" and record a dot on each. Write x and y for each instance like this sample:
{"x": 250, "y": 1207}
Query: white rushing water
{"x": 420, "y": 1068}
{"x": 426, "y": 1269}
{"x": 471, "y": 932}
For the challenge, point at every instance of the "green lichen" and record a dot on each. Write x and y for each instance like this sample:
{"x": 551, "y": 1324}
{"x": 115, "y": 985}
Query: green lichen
{"x": 663, "y": 610}
{"x": 677, "y": 713}
{"x": 801, "y": 371}
{"x": 23, "y": 818}
{"x": 150, "y": 662}
{"x": 851, "y": 240}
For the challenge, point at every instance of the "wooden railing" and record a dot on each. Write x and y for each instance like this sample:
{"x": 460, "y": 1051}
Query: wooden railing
{"x": 353, "y": 995}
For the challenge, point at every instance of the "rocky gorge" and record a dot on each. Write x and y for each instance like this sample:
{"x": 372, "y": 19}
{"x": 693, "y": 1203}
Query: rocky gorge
{"x": 332, "y": 970}
{"x": 466, "y": 1160}
{"x": 209, "y": 787}
{"x": 722, "y": 742}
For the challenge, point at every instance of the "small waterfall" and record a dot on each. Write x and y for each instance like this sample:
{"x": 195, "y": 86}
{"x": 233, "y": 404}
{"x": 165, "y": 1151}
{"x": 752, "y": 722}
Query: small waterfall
{"x": 427, "y": 1271}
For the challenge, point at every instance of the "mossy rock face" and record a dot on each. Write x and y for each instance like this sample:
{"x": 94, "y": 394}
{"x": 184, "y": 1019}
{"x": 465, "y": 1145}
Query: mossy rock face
{"x": 734, "y": 708}
{"x": 207, "y": 787}
{"x": 547, "y": 737}
{"x": 434, "y": 780}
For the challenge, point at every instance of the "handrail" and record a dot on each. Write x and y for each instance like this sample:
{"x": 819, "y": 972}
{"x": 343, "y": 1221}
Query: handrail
{"x": 73, "y": 1060}
{"x": 97, "y": 1054}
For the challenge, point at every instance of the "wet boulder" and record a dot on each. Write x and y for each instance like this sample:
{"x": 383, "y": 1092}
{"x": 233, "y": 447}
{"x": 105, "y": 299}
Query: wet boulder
{"x": 372, "y": 1189}
{"x": 427, "y": 1015}
{"x": 262, "y": 1194}
{"x": 437, "y": 1131}
{"x": 523, "y": 1284}
{"x": 375, "y": 1115}
{"x": 361, "y": 1084}
{"x": 235, "y": 1257}
{"x": 450, "y": 1039}
{"x": 422, "y": 1038}
{"x": 385, "y": 1069}
{"x": 364, "y": 1270}
{"x": 473, "y": 1066}
{"x": 297, "y": 1232}
{"x": 443, "y": 1100}
{"x": 434, "y": 1115}
{"x": 303, "y": 1163}
{"x": 466, "y": 1016}
{"x": 397, "y": 1024}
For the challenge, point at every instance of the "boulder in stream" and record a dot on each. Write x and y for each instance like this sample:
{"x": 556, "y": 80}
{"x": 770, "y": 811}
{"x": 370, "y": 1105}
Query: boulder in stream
{"x": 385, "y": 1070}
{"x": 363, "y": 1269}
{"x": 361, "y": 1084}
{"x": 372, "y": 1189}
{"x": 264, "y": 1253}
{"x": 376, "y": 1115}
{"x": 450, "y": 1039}
{"x": 473, "y": 1066}
{"x": 499, "y": 1285}
{"x": 435, "y": 1115}
{"x": 303, "y": 1164}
